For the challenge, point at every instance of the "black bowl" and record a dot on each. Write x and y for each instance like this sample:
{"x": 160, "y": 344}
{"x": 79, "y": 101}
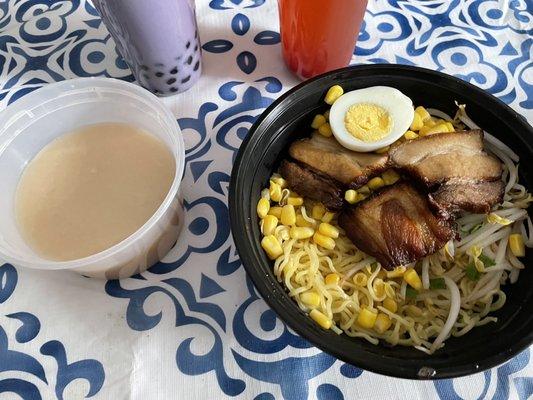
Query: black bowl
{"x": 288, "y": 119}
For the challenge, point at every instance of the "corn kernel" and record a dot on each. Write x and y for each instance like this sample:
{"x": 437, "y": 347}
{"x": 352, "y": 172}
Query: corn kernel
{"x": 360, "y": 279}
{"x": 450, "y": 126}
{"x": 295, "y": 201}
{"x": 332, "y": 279}
{"x": 275, "y": 211}
{"x": 333, "y": 94}
{"x": 328, "y": 230}
{"x": 375, "y": 183}
{"x": 396, "y": 272}
{"x": 383, "y": 322}
{"x": 389, "y": 290}
{"x": 301, "y": 221}
{"x": 439, "y": 128}
{"x": 328, "y": 216}
{"x": 350, "y": 196}
{"x": 431, "y": 122}
{"x": 379, "y": 287}
{"x": 275, "y": 191}
{"x": 367, "y": 318}
{"x": 390, "y": 304}
{"x": 288, "y": 215}
{"x": 263, "y": 206}
{"x": 390, "y": 176}
{"x": 269, "y": 225}
{"x": 382, "y": 150}
{"x": 423, "y": 113}
{"x": 320, "y": 318}
{"x": 412, "y": 278}
{"x": 516, "y": 243}
{"x": 311, "y": 299}
{"x": 300, "y": 232}
{"x": 364, "y": 190}
{"x": 410, "y": 135}
{"x": 324, "y": 241}
{"x": 265, "y": 194}
{"x": 326, "y": 115}
{"x": 417, "y": 123}
{"x": 360, "y": 197}
{"x": 318, "y": 121}
{"x": 318, "y": 211}
{"x": 280, "y": 181}
{"x": 272, "y": 247}
{"x": 325, "y": 130}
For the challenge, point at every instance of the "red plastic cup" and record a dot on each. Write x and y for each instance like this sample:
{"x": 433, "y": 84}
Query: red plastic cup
{"x": 319, "y": 35}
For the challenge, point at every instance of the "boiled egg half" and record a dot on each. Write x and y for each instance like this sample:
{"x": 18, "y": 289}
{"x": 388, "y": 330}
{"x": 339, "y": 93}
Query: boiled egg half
{"x": 372, "y": 118}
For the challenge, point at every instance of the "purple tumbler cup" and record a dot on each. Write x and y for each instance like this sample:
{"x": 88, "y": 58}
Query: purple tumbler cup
{"x": 158, "y": 39}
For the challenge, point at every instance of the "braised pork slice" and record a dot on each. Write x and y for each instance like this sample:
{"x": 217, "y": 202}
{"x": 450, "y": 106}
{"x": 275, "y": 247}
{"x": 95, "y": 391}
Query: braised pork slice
{"x": 326, "y": 155}
{"x": 396, "y": 226}
{"x": 312, "y": 184}
{"x": 476, "y": 197}
{"x": 447, "y": 157}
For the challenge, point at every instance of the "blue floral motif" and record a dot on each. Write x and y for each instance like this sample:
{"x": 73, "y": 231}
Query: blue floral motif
{"x": 393, "y": 26}
{"x": 459, "y": 53}
{"x": 349, "y": 371}
{"x": 225, "y": 266}
{"x": 240, "y": 25}
{"x": 275, "y": 372}
{"x": 197, "y": 126}
{"x": 8, "y": 281}
{"x": 246, "y": 62}
{"x": 188, "y": 362}
{"x": 30, "y": 326}
{"x": 220, "y": 211}
{"x": 329, "y": 392}
{"x": 253, "y": 342}
{"x": 50, "y": 23}
{"x": 524, "y": 386}
{"x": 218, "y": 46}
{"x": 232, "y": 4}
{"x": 267, "y": 37}
{"x": 16, "y": 361}
{"x": 90, "y": 370}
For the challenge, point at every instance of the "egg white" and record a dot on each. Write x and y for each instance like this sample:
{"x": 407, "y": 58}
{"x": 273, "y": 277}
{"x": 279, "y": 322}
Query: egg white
{"x": 398, "y": 105}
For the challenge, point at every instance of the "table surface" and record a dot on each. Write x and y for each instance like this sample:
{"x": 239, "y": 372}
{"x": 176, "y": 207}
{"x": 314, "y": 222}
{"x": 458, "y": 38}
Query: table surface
{"x": 193, "y": 326}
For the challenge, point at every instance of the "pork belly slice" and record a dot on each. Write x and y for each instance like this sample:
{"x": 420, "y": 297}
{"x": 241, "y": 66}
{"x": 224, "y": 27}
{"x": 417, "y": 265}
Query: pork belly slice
{"x": 396, "y": 226}
{"x": 328, "y": 156}
{"x": 312, "y": 184}
{"x": 475, "y": 197}
{"x": 447, "y": 157}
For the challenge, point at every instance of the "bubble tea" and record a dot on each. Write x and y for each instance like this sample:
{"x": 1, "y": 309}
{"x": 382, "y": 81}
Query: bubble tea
{"x": 158, "y": 39}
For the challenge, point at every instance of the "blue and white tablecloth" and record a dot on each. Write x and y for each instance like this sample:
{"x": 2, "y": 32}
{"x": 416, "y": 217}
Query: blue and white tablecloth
{"x": 193, "y": 326}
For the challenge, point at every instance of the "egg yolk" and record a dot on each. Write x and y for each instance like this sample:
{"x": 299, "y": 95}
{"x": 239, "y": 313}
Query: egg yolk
{"x": 368, "y": 122}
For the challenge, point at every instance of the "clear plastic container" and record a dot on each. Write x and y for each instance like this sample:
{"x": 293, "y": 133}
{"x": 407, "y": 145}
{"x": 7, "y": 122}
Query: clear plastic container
{"x": 38, "y": 118}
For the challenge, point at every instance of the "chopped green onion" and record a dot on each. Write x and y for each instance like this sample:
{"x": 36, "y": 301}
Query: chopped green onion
{"x": 437, "y": 283}
{"x": 487, "y": 261}
{"x": 410, "y": 292}
{"x": 471, "y": 272}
